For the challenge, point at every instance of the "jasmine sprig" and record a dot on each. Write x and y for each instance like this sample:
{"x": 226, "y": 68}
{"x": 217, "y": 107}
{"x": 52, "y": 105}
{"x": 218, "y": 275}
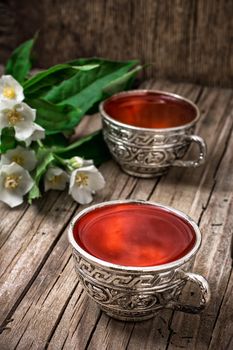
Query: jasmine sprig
{"x": 46, "y": 107}
{"x": 17, "y": 163}
{"x": 83, "y": 177}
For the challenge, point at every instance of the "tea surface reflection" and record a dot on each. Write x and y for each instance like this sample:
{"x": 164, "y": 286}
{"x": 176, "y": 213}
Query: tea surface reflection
{"x": 150, "y": 110}
{"x": 134, "y": 235}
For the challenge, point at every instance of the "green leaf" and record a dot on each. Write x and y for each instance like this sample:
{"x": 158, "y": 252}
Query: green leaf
{"x": 86, "y": 88}
{"x": 42, "y": 82}
{"x": 88, "y": 147}
{"x": 45, "y": 157}
{"x": 7, "y": 139}
{"x": 45, "y": 81}
{"x": 34, "y": 193}
{"x": 67, "y": 97}
{"x": 96, "y": 61}
{"x": 55, "y": 118}
{"x": 59, "y": 140}
{"x": 122, "y": 83}
{"x": 19, "y": 63}
{"x": 85, "y": 67}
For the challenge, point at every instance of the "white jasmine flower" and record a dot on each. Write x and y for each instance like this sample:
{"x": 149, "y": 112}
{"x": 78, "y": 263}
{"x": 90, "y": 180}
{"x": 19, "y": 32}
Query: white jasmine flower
{"x": 10, "y": 89}
{"x": 38, "y": 133}
{"x": 22, "y": 156}
{"x": 84, "y": 182}
{"x": 78, "y": 162}
{"x": 20, "y": 117}
{"x": 15, "y": 182}
{"x": 55, "y": 178}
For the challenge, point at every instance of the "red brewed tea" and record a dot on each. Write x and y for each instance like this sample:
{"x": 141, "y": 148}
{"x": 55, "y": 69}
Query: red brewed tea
{"x": 132, "y": 234}
{"x": 150, "y": 110}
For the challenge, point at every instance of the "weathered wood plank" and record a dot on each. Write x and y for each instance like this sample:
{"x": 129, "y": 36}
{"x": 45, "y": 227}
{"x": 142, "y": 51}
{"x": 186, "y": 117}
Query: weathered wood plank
{"x": 26, "y": 249}
{"x": 213, "y": 260}
{"x": 222, "y": 337}
{"x": 9, "y": 219}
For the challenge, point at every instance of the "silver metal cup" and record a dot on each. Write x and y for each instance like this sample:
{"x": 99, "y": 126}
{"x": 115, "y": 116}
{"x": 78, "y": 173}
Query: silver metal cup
{"x": 137, "y": 293}
{"x": 147, "y": 152}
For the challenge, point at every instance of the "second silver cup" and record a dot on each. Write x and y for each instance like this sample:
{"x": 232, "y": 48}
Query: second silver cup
{"x": 150, "y": 151}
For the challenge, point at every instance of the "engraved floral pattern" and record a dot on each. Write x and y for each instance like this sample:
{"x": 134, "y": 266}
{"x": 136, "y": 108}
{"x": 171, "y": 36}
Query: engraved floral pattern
{"x": 145, "y": 152}
{"x": 128, "y": 294}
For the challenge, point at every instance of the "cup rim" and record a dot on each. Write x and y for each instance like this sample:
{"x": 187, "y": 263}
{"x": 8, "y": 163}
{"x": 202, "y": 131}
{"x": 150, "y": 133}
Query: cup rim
{"x": 139, "y": 269}
{"x": 141, "y": 91}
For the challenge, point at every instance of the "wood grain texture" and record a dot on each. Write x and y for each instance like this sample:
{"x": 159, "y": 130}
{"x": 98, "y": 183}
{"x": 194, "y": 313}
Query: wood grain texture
{"x": 43, "y": 305}
{"x": 183, "y": 40}
{"x": 9, "y": 38}
{"x": 222, "y": 337}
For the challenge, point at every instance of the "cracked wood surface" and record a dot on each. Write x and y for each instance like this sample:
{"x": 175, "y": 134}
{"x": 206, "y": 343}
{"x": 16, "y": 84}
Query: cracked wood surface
{"x": 42, "y": 303}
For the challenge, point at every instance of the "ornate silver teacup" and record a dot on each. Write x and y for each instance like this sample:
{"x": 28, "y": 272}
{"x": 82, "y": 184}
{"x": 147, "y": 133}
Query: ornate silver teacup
{"x": 148, "y": 131}
{"x": 134, "y": 293}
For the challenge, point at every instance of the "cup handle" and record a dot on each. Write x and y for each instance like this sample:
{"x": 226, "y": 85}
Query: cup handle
{"x": 202, "y": 155}
{"x": 203, "y": 285}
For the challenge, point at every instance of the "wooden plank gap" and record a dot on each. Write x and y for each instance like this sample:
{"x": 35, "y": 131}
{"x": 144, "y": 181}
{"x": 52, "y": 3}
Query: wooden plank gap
{"x": 76, "y": 303}
{"x": 220, "y": 308}
{"x": 157, "y": 181}
{"x": 215, "y": 175}
{"x": 55, "y": 281}
{"x": 18, "y": 342}
{"x": 93, "y": 330}
{"x": 171, "y": 330}
{"x": 60, "y": 315}
{"x": 14, "y": 225}
{"x": 130, "y": 334}
{"x": 224, "y": 151}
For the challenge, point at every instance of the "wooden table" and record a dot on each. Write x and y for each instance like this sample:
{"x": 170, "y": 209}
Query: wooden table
{"x": 42, "y": 303}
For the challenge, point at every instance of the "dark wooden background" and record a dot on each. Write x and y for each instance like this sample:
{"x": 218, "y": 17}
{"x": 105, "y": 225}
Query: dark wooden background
{"x": 186, "y": 40}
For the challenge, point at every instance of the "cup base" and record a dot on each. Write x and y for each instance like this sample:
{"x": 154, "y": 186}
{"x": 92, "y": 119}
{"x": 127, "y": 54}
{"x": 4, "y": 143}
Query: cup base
{"x": 129, "y": 318}
{"x": 143, "y": 172}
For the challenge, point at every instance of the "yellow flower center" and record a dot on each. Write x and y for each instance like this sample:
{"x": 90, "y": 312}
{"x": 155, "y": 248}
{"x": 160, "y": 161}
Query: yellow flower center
{"x": 81, "y": 179}
{"x": 18, "y": 159}
{"x": 9, "y": 92}
{"x": 55, "y": 179}
{"x": 14, "y": 117}
{"x": 12, "y": 181}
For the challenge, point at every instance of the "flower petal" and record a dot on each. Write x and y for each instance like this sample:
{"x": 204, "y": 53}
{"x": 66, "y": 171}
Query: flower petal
{"x": 55, "y": 178}
{"x": 82, "y": 195}
{"x": 28, "y": 113}
{"x": 10, "y": 198}
{"x": 13, "y": 196}
{"x": 3, "y": 120}
{"x": 96, "y": 180}
{"x": 8, "y": 82}
{"x": 72, "y": 178}
{"x": 37, "y": 134}
{"x": 23, "y": 132}
{"x": 89, "y": 180}
{"x": 26, "y": 183}
{"x": 22, "y": 156}
{"x": 20, "y": 116}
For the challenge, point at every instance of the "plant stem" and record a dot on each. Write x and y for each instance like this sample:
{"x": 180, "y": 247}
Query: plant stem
{"x": 74, "y": 145}
{"x": 40, "y": 144}
{"x": 63, "y": 162}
